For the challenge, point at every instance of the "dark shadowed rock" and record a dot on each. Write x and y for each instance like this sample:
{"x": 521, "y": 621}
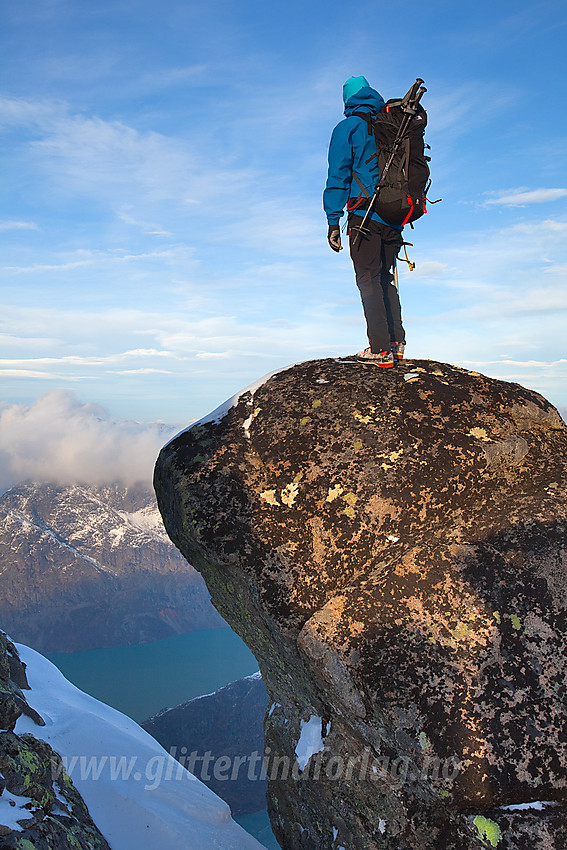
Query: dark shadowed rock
{"x": 391, "y": 546}
{"x": 219, "y": 737}
{"x": 12, "y": 679}
{"x": 45, "y": 809}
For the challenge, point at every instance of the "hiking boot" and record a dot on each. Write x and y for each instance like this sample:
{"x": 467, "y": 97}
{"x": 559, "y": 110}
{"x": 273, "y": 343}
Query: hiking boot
{"x": 385, "y": 359}
{"x": 398, "y": 349}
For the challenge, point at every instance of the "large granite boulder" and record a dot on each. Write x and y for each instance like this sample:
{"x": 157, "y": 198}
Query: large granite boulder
{"x": 391, "y": 546}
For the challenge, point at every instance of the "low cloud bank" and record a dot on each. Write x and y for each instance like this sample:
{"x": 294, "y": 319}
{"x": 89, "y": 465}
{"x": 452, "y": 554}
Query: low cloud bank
{"x": 58, "y": 438}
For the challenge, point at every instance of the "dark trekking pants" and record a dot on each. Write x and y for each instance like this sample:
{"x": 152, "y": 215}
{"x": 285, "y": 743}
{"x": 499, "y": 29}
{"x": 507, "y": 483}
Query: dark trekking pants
{"x": 373, "y": 258}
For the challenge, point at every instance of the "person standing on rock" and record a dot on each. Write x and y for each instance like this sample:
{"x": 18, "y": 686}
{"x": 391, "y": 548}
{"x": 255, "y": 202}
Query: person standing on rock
{"x": 352, "y": 178}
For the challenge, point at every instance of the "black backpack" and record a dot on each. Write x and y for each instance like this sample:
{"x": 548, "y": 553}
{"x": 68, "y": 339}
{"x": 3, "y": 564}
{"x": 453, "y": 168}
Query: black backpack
{"x": 402, "y": 188}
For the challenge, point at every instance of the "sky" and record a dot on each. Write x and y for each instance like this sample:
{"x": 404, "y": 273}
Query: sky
{"x": 162, "y": 236}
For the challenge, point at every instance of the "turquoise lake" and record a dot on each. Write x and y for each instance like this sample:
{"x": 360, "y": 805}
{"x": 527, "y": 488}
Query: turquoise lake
{"x": 258, "y": 825}
{"x": 141, "y": 680}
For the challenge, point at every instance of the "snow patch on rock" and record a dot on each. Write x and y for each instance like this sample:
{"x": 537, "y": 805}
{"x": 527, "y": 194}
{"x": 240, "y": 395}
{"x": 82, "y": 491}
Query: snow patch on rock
{"x": 310, "y": 740}
{"x": 12, "y": 810}
{"x": 538, "y": 805}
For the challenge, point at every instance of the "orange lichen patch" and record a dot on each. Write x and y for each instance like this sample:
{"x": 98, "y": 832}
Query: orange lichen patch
{"x": 468, "y": 629}
{"x": 289, "y": 494}
{"x": 479, "y": 434}
{"x": 334, "y": 493}
{"x": 364, "y": 420}
{"x": 356, "y": 628}
{"x": 407, "y": 567}
{"x": 269, "y": 496}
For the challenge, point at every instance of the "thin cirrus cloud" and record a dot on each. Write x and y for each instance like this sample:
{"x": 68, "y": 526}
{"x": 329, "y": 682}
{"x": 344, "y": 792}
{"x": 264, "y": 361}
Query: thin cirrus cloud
{"x": 98, "y": 156}
{"x": 17, "y": 225}
{"x": 152, "y": 180}
{"x": 80, "y": 360}
{"x": 523, "y": 197}
{"x": 116, "y": 162}
{"x": 37, "y": 375}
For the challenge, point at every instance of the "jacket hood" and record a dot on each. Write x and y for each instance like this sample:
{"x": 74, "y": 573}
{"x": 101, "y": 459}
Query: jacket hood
{"x": 366, "y": 99}
{"x": 352, "y": 85}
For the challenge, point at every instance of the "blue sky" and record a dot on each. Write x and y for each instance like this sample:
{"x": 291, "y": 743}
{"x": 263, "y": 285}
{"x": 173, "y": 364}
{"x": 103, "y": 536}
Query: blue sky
{"x": 162, "y": 237}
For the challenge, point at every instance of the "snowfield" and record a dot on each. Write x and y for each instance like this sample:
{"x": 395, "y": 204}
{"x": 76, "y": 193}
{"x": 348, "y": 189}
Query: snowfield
{"x": 138, "y": 795}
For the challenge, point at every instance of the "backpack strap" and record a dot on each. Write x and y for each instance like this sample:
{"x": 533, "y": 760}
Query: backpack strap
{"x": 362, "y": 189}
{"x": 354, "y": 203}
{"x": 367, "y": 116}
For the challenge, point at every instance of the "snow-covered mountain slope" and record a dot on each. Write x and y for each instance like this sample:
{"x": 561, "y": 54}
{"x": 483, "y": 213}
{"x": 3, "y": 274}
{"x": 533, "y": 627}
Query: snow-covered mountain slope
{"x": 137, "y": 794}
{"x": 84, "y": 567}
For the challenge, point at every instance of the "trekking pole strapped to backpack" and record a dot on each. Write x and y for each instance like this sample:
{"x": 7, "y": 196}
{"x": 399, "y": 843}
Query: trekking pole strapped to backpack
{"x": 400, "y": 194}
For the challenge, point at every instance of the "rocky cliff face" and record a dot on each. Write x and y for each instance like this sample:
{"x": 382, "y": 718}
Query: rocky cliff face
{"x": 392, "y": 548}
{"x": 39, "y": 805}
{"x": 84, "y": 567}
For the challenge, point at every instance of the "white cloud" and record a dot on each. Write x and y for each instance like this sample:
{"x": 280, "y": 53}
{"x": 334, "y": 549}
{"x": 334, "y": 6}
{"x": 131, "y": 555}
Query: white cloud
{"x": 60, "y": 439}
{"x": 126, "y": 168}
{"x": 547, "y": 227}
{"x": 76, "y": 360}
{"x": 143, "y": 372}
{"x": 99, "y": 259}
{"x": 520, "y": 197}
{"x": 459, "y": 109}
{"x": 506, "y": 362}
{"x": 18, "y": 225}
{"x": 431, "y": 268}
{"x": 28, "y": 373}
{"x": 163, "y": 79}
{"x": 155, "y": 182}
{"x": 45, "y": 267}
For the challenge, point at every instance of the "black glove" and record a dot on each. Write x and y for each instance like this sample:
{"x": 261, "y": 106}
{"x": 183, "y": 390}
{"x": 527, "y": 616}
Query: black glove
{"x": 334, "y": 237}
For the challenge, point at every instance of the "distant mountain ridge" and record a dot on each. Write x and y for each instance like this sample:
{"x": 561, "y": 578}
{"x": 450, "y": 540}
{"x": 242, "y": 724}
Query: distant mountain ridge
{"x": 225, "y": 725}
{"x": 84, "y": 567}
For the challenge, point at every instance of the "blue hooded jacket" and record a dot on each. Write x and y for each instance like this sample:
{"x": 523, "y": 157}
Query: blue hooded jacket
{"x": 350, "y": 148}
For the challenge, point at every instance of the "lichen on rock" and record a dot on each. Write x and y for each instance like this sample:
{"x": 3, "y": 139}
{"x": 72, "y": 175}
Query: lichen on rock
{"x": 393, "y": 551}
